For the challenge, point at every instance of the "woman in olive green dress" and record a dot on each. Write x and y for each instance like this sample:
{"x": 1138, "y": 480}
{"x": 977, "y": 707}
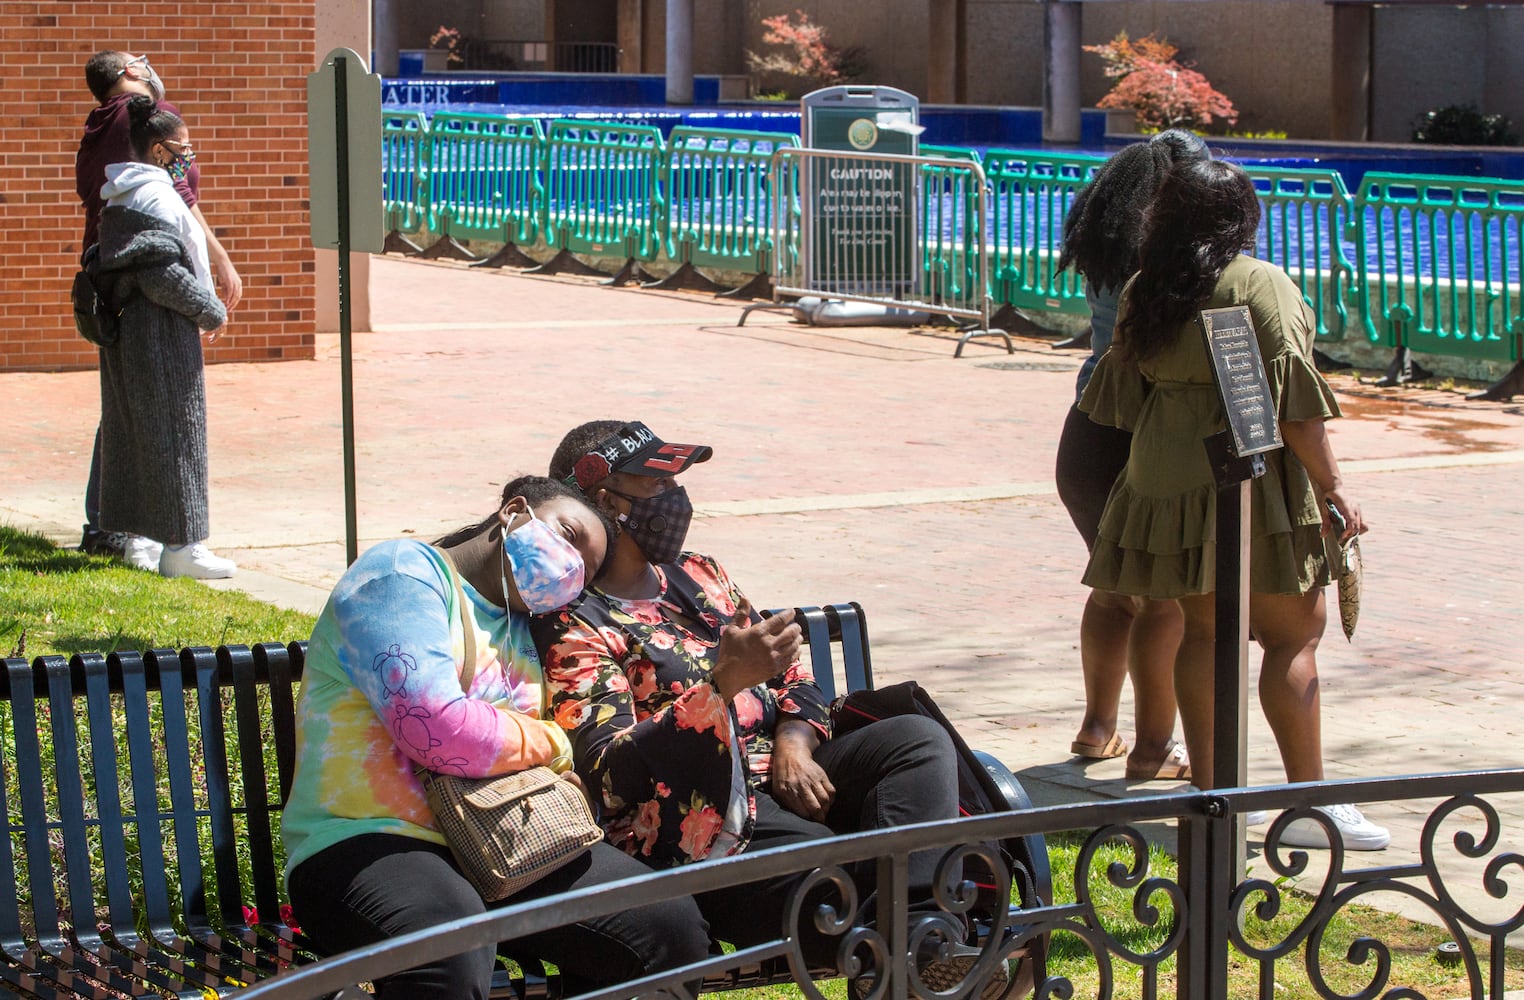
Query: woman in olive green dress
{"x": 1157, "y": 535}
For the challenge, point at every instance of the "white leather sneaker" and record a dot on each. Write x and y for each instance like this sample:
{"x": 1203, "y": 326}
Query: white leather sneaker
{"x": 195, "y": 561}
{"x": 1357, "y": 832}
{"x": 141, "y": 553}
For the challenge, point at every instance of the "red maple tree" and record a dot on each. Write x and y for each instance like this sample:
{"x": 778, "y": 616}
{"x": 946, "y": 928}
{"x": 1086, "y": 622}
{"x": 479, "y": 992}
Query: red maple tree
{"x": 806, "y": 55}
{"x": 1161, "y": 90}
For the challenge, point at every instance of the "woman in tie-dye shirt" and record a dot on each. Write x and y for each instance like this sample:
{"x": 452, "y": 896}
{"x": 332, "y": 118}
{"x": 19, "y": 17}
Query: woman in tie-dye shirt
{"x": 381, "y": 696}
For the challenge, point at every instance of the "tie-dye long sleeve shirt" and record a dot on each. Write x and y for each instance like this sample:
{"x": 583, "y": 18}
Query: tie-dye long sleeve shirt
{"x": 381, "y": 695}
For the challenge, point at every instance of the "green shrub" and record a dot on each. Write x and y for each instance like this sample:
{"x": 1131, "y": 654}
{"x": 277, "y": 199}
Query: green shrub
{"x": 1464, "y": 125}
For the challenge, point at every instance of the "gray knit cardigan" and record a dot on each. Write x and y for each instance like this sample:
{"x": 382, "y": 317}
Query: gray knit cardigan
{"x": 153, "y": 400}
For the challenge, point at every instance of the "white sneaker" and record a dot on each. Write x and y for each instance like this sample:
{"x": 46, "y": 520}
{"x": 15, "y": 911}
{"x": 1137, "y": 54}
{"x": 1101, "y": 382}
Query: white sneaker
{"x": 1357, "y": 832}
{"x": 142, "y": 553}
{"x": 196, "y": 561}
{"x": 1256, "y": 817}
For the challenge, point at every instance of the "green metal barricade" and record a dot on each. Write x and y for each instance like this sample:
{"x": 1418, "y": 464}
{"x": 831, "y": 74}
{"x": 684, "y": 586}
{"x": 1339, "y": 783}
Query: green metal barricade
{"x": 717, "y": 193}
{"x": 949, "y": 152}
{"x": 951, "y": 219}
{"x": 602, "y": 190}
{"x": 1440, "y": 263}
{"x": 1436, "y": 264}
{"x": 483, "y": 176}
{"x": 404, "y": 159}
{"x": 1030, "y": 194}
{"x": 1302, "y": 221}
{"x": 898, "y": 231}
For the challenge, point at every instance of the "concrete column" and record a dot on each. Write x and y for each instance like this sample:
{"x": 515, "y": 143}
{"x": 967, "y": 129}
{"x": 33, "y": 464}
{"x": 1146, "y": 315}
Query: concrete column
{"x": 632, "y": 22}
{"x": 1061, "y": 71}
{"x": 551, "y": 62}
{"x": 343, "y": 23}
{"x": 679, "y": 51}
{"x": 941, "y": 52}
{"x": 1350, "y": 111}
{"x": 960, "y": 54}
{"x": 386, "y": 15}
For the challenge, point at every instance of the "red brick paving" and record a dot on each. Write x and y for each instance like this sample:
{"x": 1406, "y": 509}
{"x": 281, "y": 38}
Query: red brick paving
{"x": 473, "y": 376}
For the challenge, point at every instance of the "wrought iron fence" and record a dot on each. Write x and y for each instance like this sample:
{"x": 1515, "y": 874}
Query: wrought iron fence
{"x": 1200, "y": 916}
{"x": 538, "y": 54}
{"x": 587, "y": 57}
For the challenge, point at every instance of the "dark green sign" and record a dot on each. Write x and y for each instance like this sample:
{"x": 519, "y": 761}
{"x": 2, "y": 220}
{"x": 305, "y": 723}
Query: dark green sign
{"x": 859, "y": 213}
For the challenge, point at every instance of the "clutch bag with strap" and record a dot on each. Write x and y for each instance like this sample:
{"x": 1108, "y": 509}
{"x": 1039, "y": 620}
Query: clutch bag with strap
{"x": 510, "y": 830}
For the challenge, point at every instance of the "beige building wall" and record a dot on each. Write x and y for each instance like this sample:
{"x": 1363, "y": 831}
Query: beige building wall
{"x": 517, "y": 21}
{"x": 1272, "y": 58}
{"x": 1005, "y": 52}
{"x": 1504, "y": 90}
{"x": 1428, "y": 57}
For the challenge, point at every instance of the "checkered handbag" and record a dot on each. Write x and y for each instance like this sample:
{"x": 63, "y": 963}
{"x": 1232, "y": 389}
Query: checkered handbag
{"x": 509, "y": 830}
{"x": 513, "y": 829}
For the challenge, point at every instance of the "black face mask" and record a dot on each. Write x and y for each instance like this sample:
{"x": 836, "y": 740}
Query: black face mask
{"x": 659, "y": 524}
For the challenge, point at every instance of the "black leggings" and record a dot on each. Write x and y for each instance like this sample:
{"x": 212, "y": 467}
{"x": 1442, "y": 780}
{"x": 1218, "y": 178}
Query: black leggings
{"x": 1090, "y": 457}
{"x": 895, "y": 772}
{"x": 369, "y": 888}
{"x": 378, "y": 886}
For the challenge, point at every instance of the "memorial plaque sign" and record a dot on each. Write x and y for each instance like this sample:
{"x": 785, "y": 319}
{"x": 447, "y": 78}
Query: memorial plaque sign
{"x": 1240, "y": 375}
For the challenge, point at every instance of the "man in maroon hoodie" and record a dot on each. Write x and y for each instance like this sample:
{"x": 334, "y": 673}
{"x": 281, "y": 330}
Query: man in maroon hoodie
{"x": 113, "y": 77}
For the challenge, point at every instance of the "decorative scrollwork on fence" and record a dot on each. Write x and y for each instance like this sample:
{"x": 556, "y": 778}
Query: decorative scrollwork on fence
{"x": 1469, "y": 846}
{"x": 960, "y": 941}
{"x": 824, "y": 906}
{"x": 1145, "y": 888}
{"x": 1368, "y": 958}
{"x": 1156, "y": 902}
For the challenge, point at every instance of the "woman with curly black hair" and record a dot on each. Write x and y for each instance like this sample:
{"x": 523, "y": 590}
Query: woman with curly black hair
{"x": 1157, "y": 534}
{"x": 1120, "y": 636}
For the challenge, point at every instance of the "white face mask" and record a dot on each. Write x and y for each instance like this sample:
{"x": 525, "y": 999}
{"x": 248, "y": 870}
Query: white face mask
{"x": 144, "y": 72}
{"x": 154, "y": 83}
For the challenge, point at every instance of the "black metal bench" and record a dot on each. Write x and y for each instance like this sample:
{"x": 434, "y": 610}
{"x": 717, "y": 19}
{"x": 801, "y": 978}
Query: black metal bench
{"x": 141, "y": 812}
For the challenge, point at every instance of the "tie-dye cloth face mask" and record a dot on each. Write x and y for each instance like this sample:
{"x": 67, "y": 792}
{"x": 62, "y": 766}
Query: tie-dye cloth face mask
{"x": 547, "y": 570}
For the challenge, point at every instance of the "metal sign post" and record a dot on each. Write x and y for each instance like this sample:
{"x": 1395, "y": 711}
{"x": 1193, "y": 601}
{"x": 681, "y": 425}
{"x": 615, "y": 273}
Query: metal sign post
{"x": 344, "y": 172}
{"x": 1237, "y": 458}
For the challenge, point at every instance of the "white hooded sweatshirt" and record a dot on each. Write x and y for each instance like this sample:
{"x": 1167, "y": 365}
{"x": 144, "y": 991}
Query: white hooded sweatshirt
{"x": 146, "y": 188}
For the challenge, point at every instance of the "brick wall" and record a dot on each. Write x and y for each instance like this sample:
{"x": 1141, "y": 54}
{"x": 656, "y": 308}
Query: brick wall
{"x": 238, "y": 73}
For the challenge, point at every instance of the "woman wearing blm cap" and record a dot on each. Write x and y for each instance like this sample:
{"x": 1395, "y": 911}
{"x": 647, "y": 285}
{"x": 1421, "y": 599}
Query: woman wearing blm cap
{"x": 694, "y": 719}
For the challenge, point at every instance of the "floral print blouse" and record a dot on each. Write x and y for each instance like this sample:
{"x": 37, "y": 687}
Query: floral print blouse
{"x": 631, "y": 681}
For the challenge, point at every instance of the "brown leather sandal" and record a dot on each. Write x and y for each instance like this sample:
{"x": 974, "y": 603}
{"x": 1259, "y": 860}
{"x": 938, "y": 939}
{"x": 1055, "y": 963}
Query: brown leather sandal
{"x": 1114, "y": 747}
{"x": 1176, "y": 766}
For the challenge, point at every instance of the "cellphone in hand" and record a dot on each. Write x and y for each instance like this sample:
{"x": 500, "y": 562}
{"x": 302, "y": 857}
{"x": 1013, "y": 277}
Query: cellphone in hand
{"x": 1339, "y": 524}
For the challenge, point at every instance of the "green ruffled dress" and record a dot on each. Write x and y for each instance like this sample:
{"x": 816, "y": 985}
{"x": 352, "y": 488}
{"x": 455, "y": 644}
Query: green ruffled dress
{"x": 1158, "y": 532}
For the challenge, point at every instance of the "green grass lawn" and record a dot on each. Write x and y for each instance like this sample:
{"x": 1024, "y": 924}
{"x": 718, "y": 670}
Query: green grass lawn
{"x": 65, "y": 602}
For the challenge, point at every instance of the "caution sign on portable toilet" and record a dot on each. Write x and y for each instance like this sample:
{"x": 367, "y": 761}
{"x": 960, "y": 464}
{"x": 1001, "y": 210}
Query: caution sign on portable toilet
{"x": 859, "y": 218}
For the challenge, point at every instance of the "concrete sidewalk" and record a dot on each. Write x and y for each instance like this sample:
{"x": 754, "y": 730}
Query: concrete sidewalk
{"x": 850, "y": 464}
